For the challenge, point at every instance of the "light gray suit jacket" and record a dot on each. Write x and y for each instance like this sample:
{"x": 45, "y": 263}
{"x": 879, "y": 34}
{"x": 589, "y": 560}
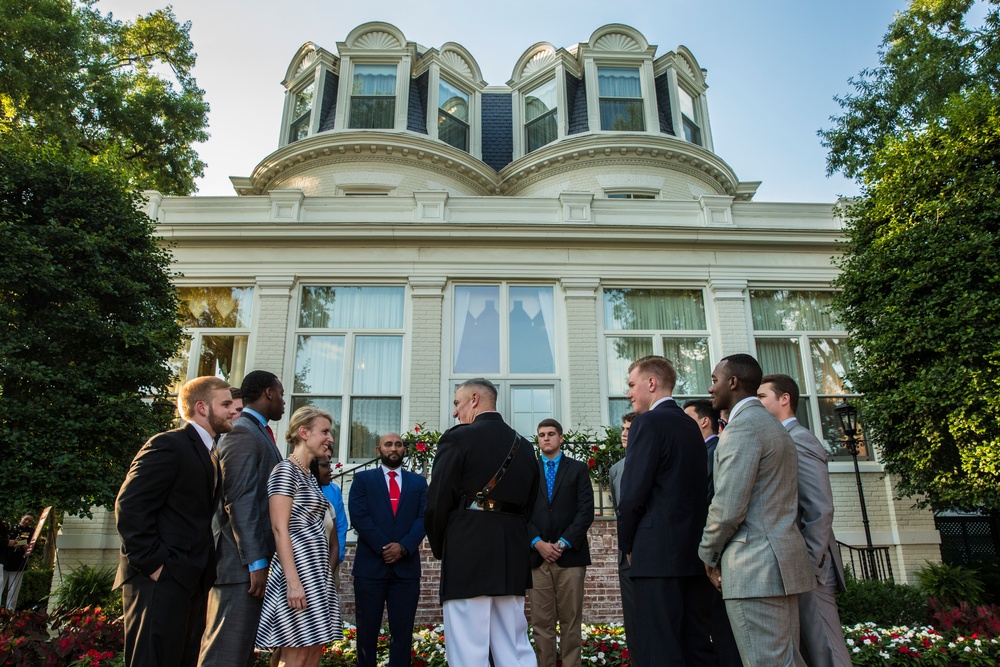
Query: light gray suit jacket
{"x": 615, "y": 477}
{"x": 242, "y": 523}
{"x": 752, "y": 530}
{"x": 816, "y": 506}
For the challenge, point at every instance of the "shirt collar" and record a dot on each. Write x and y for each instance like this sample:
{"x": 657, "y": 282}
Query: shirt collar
{"x": 788, "y": 422}
{"x": 256, "y": 415}
{"x": 557, "y": 458}
{"x": 739, "y": 406}
{"x": 665, "y": 398}
{"x": 206, "y": 439}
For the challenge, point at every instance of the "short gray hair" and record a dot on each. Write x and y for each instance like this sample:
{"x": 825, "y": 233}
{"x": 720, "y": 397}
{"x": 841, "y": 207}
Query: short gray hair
{"x": 481, "y": 386}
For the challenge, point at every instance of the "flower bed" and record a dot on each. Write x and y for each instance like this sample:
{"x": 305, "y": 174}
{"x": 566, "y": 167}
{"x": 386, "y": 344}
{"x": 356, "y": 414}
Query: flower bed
{"x": 872, "y": 646}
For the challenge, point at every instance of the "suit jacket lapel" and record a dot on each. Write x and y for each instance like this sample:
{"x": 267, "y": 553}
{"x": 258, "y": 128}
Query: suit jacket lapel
{"x": 205, "y": 457}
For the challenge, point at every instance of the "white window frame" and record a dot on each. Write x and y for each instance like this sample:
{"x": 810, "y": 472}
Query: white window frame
{"x": 344, "y": 96}
{"x": 650, "y": 121}
{"x": 558, "y": 110}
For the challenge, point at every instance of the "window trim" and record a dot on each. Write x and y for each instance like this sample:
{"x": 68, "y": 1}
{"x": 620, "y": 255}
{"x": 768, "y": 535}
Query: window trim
{"x": 646, "y": 90}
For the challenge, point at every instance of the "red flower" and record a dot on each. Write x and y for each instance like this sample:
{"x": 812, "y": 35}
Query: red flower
{"x": 339, "y": 466}
{"x": 591, "y": 462}
{"x": 416, "y": 429}
{"x": 421, "y": 447}
{"x": 595, "y": 448}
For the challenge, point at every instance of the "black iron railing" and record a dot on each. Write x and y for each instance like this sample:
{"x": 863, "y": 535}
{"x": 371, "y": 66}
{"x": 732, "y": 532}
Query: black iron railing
{"x": 869, "y": 563}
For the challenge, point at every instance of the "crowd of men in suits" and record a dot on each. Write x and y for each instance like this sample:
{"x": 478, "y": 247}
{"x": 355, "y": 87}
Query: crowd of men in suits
{"x": 726, "y": 548}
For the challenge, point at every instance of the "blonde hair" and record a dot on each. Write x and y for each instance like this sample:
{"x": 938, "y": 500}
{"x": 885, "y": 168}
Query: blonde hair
{"x": 659, "y": 367}
{"x": 198, "y": 389}
{"x": 304, "y": 416}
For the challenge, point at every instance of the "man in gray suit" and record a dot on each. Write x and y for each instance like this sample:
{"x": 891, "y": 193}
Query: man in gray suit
{"x": 751, "y": 546}
{"x": 629, "y": 614}
{"x": 242, "y": 525}
{"x": 822, "y": 635}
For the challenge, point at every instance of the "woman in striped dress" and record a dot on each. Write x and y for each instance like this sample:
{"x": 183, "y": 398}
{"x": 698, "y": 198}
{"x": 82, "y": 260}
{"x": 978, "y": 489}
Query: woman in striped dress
{"x": 301, "y": 611}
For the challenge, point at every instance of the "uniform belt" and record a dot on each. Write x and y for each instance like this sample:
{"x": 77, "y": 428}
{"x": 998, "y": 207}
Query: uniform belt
{"x": 490, "y": 505}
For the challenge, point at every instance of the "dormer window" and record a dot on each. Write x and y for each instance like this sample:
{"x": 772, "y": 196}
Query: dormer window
{"x": 689, "y": 117}
{"x": 541, "y": 124}
{"x": 619, "y": 92}
{"x": 453, "y": 116}
{"x": 373, "y": 97}
{"x": 301, "y": 113}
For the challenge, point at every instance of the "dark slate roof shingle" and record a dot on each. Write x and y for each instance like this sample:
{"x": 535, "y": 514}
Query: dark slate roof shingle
{"x": 498, "y": 133}
{"x": 576, "y": 96}
{"x": 663, "y": 105}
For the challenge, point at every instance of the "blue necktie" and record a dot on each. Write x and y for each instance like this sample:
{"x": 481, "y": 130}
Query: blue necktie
{"x": 550, "y": 476}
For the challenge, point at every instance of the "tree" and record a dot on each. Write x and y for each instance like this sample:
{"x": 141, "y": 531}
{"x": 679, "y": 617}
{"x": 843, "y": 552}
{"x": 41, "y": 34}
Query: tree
{"x": 121, "y": 92}
{"x": 930, "y": 53}
{"x": 89, "y": 318}
{"x": 921, "y": 298}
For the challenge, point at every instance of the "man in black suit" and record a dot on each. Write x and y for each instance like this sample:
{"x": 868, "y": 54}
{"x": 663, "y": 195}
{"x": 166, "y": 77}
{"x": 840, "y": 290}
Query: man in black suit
{"x": 483, "y": 488}
{"x": 707, "y": 418}
{"x": 564, "y": 510}
{"x": 242, "y": 525}
{"x": 387, "y": 510}
{"x": 662, "y": 512}
{"x": 164, "y": 518}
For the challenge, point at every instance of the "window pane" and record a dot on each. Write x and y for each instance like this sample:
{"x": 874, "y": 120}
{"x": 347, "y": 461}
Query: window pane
{"x": 832, "y": 435}
{"x": 532, "y": 338}
{"x": 621, "y": 353}
{"x": 319, "y": 365}
{"x": 622, "y": 115}
{"x": 378, "y": 364}
{"x": 217, "y": 307}
{"x": 540, "y": 101}
{"x": 687, "y": 103}
{"x": 331, "y": 405}
{"x": 653, "y": 309}
{"x": 692, "y": 133}
{"x": 453, "y": 132}
{"x": 541, "y": 131}
{"x": 373, "y": 113}
{"x": 781, "y": 355}
{"x": 301, "y": 113}
{"x": 618, "y": 82}
{"x": 303, "y": 101}
{"x": 690, "y": 358}
{"x": 178, "y": 365}
{"x": 530, "y": 406}
{"x": 477, "y": 329}
{"x": 783, "y": 310}
{"x": 832, "y": 358}
{"x": 616, "y": 408}
{"x": 224, "y": 357}
{"x": 374, "y": 80}
{"x": 371, "y": 418}
{"x": 453, "y": 101}
{"x": 352, "y": 307}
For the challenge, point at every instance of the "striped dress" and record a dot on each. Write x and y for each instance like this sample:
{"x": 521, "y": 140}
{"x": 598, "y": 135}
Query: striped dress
{"x": 319, "y": 622}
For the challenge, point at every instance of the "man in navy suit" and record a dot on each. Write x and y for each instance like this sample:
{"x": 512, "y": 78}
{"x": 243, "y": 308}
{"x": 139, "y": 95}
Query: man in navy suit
{"x": 661, "y": 515}
{"x": 387, "y": 511}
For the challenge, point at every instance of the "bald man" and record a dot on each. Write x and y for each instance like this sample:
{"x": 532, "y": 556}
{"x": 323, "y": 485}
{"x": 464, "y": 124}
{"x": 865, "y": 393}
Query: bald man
{"x": 387, "y": 511}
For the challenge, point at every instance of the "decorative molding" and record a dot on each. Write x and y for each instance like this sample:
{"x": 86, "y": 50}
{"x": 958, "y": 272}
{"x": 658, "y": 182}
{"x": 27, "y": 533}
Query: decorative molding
{"x": 427, "y": 286}
{"x": 431, "y": 206}
{"x": 275, "y": 286}
{"x": 153, "y": 200}
{"x": 717, "y": 210}
{"x": 285, "y": 205}
{"x": 580, "y": 288}
{"x": 728, "y": 289}
{"x": 576, "y": 206}
{"x": 458, "y": 63}
{"x": 616, "y": 41}
{"x": 377, "y": 40}
{"x": 539, "y": 61}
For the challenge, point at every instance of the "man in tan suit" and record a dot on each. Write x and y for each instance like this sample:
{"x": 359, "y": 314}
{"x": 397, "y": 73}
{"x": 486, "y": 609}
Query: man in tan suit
{"x": 752, "y": 548}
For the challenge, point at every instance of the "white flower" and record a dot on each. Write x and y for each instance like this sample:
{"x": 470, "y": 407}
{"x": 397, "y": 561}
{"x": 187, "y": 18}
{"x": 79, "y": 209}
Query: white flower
{"x": 857, "y": 649}
{"x": 968, "y": 649}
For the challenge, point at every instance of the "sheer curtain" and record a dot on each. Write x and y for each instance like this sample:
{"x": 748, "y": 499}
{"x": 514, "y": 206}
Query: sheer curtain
{"x": 319, "y": 365}
{"x": 378, "y": 365}
{"x": 334, "y": 307}
{"x": 781, "y": 355}
{"x": 621, "y": 353}
{"x": 691, "y": 360}
{"x": 653, "y": 310}
{"x": 782, "y": 310}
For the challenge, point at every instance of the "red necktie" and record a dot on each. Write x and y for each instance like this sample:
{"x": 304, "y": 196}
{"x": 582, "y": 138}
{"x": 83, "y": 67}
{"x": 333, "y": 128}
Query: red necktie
{"x": 271, "y": 433}
{"x": 393, "y": 491}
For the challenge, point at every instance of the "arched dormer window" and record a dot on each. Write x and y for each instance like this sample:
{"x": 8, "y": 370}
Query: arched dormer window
{"x": 375, "y": 67}
{"x": 618, "y": 66}
{"x": 454, "y": 93}
{"x": 539, "y": 85}
{"x": 305, "y": 83}
{"x": 685, "y": 83}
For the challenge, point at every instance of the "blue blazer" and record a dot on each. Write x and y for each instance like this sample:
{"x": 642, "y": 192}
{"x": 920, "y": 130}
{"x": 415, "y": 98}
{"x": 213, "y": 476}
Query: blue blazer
{"x": 372, "y": 518}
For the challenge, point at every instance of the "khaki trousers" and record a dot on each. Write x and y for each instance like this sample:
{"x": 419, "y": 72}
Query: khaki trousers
{"x": 556, "y": 595}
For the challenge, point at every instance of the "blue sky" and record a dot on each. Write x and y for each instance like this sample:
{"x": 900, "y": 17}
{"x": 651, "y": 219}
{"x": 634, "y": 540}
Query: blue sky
{"x": 773, "y": 65}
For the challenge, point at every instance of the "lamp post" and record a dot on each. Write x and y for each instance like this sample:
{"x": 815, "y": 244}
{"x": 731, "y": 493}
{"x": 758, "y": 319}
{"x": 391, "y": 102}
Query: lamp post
{"x": 848, "y": 416}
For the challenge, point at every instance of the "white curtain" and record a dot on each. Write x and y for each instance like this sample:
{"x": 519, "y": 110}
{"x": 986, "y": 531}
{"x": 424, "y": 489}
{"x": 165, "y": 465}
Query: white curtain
{"x": 319, "y": 365}
{"x": 378, "y": 365}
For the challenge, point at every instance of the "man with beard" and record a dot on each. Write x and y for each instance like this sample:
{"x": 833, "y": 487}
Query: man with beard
{"x": 242, "y": 524}
{"x": 164, "y": 518}
{"x": 387, "y": 511}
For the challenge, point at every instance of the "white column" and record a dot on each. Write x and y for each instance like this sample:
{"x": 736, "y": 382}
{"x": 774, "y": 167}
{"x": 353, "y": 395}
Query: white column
{"x": 583, "y": 378}
{"x": 427, "y": 298}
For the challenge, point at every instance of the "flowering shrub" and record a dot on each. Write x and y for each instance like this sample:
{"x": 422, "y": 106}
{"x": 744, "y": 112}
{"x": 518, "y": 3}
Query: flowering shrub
{"x": 421, "y": 446}
{"x": 84, "y": 637}
{"x": 983, "y": 620}
{"x": 872, "y": 646}
{"x": 598, "y": 451}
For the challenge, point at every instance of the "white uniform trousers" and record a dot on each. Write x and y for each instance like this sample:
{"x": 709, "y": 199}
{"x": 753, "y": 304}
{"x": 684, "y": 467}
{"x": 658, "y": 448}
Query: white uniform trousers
{"x": 475, "y": 627}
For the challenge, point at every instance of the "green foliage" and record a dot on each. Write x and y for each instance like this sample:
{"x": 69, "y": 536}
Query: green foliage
{"x": 35, "y": 588}
{"x": 86, "y": 586}
{"x": 930, "y": 52}
{"x": 883, "y": 603}
{"x": 599, "y": 451}
{"x": 921, "y": 298}
{"x": 950, "y": 584}
{"x": 88, "y": 315}
{"x": 421, "y": 446}
{"x": 120, "y": 92}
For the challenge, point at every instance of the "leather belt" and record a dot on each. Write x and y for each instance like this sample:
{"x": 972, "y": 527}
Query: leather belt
{"x": 490, "y": 505}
